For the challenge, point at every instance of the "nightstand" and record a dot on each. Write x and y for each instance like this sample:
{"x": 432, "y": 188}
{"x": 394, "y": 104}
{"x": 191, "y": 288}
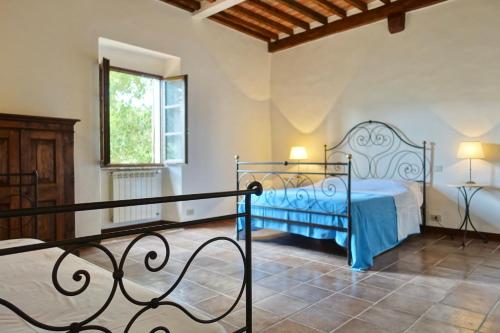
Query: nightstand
{"x": 468, "y": 191}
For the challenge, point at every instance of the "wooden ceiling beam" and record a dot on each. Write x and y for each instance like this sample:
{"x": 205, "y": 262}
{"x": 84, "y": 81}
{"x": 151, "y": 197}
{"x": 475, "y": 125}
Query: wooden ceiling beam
{"x": 189, "y": 5}
{"x": 249, "y": 25}
{"x": 211, "y": 8}
{"x": 396, "y": 22}
{"x": 279, "y": 13}
{"x": 332, "y": 7}
{"x": 359, "y": 4}
{"x": 386, "y": 1}
{"x": 298, "y": 7}
{"x": 351, "y": 22}
{"x": 274, "y": 24}
{"x": 238, "y": 27}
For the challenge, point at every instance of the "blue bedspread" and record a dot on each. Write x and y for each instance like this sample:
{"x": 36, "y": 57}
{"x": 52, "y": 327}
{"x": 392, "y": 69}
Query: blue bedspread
{"x": 374, "y": 220}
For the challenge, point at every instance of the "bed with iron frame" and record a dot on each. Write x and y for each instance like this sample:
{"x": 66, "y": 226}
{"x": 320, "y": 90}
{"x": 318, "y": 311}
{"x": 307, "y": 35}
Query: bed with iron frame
{"x": 83, "y": 277}
{"x": 369, "y": 150}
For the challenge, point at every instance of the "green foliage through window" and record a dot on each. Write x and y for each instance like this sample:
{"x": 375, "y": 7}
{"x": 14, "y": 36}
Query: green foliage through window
{"x": 132, "y": 103}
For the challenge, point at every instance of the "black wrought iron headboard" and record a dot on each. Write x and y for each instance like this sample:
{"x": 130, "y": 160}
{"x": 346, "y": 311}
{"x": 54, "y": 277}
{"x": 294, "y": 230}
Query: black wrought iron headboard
{"x": 380, "y": 150}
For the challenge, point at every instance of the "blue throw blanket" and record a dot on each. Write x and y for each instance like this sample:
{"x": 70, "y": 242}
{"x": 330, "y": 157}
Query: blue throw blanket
{"x": 374, "y": 219}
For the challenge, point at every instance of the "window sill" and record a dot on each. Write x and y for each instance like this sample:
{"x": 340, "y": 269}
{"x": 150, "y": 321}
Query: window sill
{"x": 132, "y": 167}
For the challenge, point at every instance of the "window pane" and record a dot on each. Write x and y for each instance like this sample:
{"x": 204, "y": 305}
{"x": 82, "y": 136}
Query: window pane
{"x": 131, "y": 112}
{"x": 175, "y": 114}
{"x": 174, "y": 147}
{"x": 174, "y": 92}
{"x": 174, "y": 120}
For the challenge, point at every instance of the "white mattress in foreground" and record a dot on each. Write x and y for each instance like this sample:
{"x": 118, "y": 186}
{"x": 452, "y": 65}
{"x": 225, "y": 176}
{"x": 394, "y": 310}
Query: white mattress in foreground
{"x": 25, "y": 280}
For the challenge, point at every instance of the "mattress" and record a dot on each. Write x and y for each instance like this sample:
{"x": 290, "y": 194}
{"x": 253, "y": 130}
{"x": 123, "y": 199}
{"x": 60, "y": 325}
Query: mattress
{"x": 384, "y": 213}
{"x": 26, "y": 282}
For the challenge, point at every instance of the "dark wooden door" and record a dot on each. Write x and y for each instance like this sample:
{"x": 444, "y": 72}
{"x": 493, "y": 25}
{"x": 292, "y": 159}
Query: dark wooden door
{"x": 9, "y": 194}
{"x": 43, "y": 151}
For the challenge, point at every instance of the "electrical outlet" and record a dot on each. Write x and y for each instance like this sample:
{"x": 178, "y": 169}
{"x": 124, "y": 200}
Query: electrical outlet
{"x": 438, "y": 168}
{"x": 190, "y": 211}
{"x": 436, "y": 218}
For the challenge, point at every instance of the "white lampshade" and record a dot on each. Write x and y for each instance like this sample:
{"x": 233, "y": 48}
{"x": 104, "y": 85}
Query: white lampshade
{"x": 470, "y": 149}
{"x": 298, "y": 153}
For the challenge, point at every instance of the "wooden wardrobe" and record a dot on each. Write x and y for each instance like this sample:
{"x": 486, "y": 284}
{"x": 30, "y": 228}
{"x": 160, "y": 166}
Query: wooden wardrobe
{"x": 44, "y": 145}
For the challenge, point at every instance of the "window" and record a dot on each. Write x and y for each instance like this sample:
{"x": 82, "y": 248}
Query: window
{"x": 143, "y": 118}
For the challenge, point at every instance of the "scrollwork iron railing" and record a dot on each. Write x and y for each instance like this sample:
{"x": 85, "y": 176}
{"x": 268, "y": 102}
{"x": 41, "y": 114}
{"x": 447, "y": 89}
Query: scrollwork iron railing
{"x": 83, "y": 276}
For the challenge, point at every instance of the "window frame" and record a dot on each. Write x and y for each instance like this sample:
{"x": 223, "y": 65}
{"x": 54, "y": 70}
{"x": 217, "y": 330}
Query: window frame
{"x": 105, "y": 147}
{"x": 185, "y": 78}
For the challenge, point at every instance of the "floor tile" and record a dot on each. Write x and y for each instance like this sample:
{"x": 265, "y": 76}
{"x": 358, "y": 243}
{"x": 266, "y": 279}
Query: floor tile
{"x": 308, "y": 293}
{"x": 491, "y": 325}
{"x": 271, "y": 267}
{"x": 481, "y": 303}
{"x": 366, "y": 292}
{"x": 454, "y": 316}
{"x": 278, "y": 283}
{"x": 281, "y": 305}
{"x": 261, "y": 319}
{"x": 301, "y": 274}
{"x": 389, "y": 319}
{"x": 288, "y": 326}
{"x": 383, "y": 282}
{"x": 330, "y": 282}
{"x": 400, "y": 270}
{"x": 192, "y": 293}
{"x": 460, "y": 262}
{"x": 432, "y": 294}
{"x": 359, "y": 326}
{"x": 349, "y": 275}
{"x": 215, "y": 281}
{"x": 258, "y": 293}
{"x": 423, "y": 258}
{"x": 435, "y": 281}
{"x": 292, "y": 261}
{"x": 218, "y": 305}
{"x": 320, "y": 318}
{"x": 432, "y": 326}
{"x": 404, "y": 303}
{"x": 345, "y": 304}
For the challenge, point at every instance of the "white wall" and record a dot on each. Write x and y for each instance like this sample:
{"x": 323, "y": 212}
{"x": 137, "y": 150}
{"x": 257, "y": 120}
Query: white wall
{"x": 49, "y": 66}
{"x": 439, "y": 80}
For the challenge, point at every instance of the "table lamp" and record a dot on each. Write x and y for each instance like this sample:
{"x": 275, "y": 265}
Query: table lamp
{"x": 298, "y": 153}
{"x": 470, "y": 150}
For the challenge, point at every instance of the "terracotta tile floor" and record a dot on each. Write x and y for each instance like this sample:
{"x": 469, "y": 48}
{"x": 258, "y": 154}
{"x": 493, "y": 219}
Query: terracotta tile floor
{"x": 428, "y": 284}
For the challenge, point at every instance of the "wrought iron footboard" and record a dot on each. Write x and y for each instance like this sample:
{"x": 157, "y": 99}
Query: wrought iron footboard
{"x": 319, "y": 189}
{"x": 84, "y": 277}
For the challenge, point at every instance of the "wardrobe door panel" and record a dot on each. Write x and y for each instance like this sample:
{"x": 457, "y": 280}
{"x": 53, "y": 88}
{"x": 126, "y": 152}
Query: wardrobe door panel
{"x": 9, "y": 194}
{"x": 43, "y": 151}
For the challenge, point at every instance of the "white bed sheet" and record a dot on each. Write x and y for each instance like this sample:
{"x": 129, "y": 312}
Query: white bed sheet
{"x": 407, "y": 196}
{"x": 25, "y": 280}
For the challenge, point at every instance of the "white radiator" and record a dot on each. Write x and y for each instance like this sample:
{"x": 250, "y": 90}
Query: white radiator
{"x": 136, "y": 185}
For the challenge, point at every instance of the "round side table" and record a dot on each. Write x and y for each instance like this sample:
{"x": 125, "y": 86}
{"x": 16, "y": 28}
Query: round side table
{"x": 468, "y": 191}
